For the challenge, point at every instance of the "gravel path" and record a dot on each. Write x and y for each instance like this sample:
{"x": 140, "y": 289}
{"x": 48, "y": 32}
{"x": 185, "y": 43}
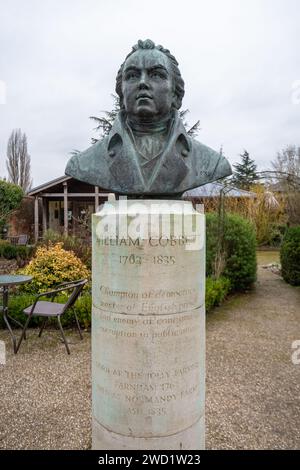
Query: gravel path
{"x": 253, "y": 389}
{"x": 45, "y": 393}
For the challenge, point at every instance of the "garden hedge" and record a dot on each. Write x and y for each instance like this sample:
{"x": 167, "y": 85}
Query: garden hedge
{"x": 215, "y": 291}
{"x": 239, "y": 249}
{"x": 290, "y": 256}
{"x": 9, "y": 251}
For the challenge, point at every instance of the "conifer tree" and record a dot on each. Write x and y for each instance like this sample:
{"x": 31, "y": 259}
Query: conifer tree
{"x": 245, "y": 173}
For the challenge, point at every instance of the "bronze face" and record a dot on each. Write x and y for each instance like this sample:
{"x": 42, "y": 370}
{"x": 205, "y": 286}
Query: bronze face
{"x": 148, "y": 85}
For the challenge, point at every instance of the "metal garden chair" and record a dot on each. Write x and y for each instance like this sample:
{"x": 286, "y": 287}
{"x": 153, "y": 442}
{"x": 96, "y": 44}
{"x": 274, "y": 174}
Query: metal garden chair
{"x": 50, "y": 309}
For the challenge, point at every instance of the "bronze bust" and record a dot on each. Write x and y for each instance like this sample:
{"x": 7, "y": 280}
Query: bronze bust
{"x": 148, "y": 151}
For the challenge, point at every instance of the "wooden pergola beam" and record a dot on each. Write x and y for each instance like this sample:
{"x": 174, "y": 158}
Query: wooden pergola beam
{"x": 36, "y": 219}
{"x": 91, "y": 195}
{"x": 65, "y": 185}
{"x": 45, "y": 221}
{"x": 96, "y": 198}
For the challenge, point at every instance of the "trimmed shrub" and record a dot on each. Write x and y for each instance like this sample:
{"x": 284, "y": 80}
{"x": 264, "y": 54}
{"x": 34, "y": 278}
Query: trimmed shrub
{"x": 8, "y": 251}
{"x": 215, "y": 291}
{"x": 238, "y": 250}
{"x": 52, "y": 266}
{"x": 18, "y": 252}
{"x": 290, "y": 256}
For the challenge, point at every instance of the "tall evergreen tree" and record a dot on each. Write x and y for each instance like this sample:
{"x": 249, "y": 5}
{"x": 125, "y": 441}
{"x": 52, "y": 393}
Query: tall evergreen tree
{"x": 245, "y": 173}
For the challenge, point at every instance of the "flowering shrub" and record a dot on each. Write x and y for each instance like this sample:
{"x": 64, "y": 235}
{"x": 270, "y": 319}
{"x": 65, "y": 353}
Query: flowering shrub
{"x": 51, "y": 266}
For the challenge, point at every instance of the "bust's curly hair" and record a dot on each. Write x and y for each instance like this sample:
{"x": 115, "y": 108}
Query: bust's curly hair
{"x": 148, "y": 44}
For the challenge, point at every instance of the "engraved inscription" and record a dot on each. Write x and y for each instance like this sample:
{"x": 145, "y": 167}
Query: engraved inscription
{"x": 139, "y": 259}
{"x": 145, "y": 276}
{"x": 149, "y": 389}
{"x": 139, "y": 242}
{"x": 151, "y": 294}
{"x": 113, "y": 300}
{"x": 140, "y": 390}
{"x": 176, "y": 321}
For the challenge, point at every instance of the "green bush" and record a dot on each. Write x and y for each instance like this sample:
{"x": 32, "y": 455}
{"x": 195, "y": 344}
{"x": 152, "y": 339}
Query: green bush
{"x": 10, "y": 198}
{"x": 16, "y": 305}
{"x": 290, "y": 256}
{"x": 215, "y": 291}
{"x": 50, "y": 267}
{"x": 83, "y": 309}
{"x": 238, "y": 250}
{"x": 18, "y": 302}
{"x": 277, "y": 235}
{"x": 21, "y": 252}
{"x": 8, "y": 251}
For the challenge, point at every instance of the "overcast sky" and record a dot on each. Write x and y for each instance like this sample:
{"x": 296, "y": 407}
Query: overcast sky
{"x": 239, "y": 59}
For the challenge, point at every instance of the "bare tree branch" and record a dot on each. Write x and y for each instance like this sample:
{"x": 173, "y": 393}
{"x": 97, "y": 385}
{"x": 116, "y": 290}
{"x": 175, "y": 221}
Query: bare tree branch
{"x": 18, "y": 160}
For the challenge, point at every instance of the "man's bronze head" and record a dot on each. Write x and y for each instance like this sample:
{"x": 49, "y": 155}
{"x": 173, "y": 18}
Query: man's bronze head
{"x": 149, "y": 81}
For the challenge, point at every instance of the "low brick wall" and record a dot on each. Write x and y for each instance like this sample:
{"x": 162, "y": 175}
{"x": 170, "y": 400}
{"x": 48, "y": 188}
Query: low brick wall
{"x": 8, "y": 266}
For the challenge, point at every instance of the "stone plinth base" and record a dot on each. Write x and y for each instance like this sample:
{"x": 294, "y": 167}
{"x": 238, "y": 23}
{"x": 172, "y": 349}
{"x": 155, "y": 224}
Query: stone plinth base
{"x": 148, "y": 326}
{"x": 189, "y": 439}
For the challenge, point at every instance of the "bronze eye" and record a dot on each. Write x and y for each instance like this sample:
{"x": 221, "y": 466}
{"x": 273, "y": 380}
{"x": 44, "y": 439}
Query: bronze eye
{"x": 131, "y": 75}
{"x": 157, "y": 74}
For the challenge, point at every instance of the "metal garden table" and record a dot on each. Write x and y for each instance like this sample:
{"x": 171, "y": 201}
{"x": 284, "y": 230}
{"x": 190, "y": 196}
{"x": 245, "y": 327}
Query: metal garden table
{"x": 7, "y": 281}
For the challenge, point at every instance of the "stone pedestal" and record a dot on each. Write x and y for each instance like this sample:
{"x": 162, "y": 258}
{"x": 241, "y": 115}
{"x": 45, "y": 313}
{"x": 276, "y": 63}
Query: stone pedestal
{"x": 148, "y": 326}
